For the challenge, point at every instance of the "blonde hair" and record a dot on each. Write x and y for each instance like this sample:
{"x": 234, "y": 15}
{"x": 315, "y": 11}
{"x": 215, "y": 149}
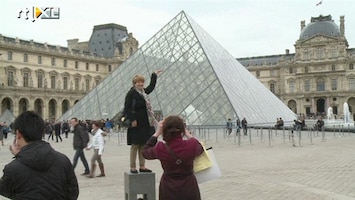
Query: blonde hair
{"x": 137, "y": 78}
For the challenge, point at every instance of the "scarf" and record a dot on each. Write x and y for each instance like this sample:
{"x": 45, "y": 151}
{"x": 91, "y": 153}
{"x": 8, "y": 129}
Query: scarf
{"x": 150, "y": 110}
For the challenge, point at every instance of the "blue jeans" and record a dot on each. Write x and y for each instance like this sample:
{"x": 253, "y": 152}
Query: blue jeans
{"x": 80, "y": 153}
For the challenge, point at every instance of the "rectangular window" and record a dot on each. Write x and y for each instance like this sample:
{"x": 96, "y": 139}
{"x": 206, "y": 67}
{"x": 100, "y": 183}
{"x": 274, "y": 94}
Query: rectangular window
{"x": 292, "y": 86}
{"x": 87, "y": 84}
{"x": 320, "y": 54}
{"x": 65, "y": 83}
{"x": 109, "y": 68}
{"x": 26, "y": 79}
{"x": 52, "y": 82}
{"x": 65, "y": 63}
{"x": 351, "y": 66}
{"x": 10, "y": 78}
{"x": 76, "y": 64}
{"x": 307, "y": 85}
{"x": 321, "y": 86}
{"x": 334, "y": 84}
{"x": 290, "y": 70}
{"x": 39, "y": 60}
{"x": 333, "y": 68}
{"x": 53, "y": 62}
{"x": 25, "y": 57}
{"x": 333, "y": 53}
{"x": 87, "y": 66}
{"x": 351, "y": 84}
{"x": 40, "y": 81}
{"x": 76, "y": 83}
{"x": 97, "y": 67}
{"x": 97, "y": 82}
{"x": 306, "y": 55}
{"x": 9, "y": 55}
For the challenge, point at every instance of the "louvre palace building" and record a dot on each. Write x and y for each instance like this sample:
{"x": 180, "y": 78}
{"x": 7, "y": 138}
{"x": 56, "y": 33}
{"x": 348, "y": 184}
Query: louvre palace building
{"x": 52, "y": 79}
{"x": 319, "y": 75}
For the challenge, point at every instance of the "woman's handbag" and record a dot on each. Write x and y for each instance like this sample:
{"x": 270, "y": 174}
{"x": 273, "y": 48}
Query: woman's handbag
{"x": 206, "y": 174}
{"x": 213, "y": 172}
{"x": 202, "y": 161}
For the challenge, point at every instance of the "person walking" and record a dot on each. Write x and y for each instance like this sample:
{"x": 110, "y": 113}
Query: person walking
{"x": 229, "y": 126}
{"x": 57, "y": 129}
{"x": 80, "y": 141}
{"x": 49, "y": 130}
{"x": 98, "y": 145}
{"x": 37, "y": 170}
{"x": 176, "y": 156}
{"x": 65, "y": 128}
{"x": 245, "y": 126}
{"x": 141, "y": 115}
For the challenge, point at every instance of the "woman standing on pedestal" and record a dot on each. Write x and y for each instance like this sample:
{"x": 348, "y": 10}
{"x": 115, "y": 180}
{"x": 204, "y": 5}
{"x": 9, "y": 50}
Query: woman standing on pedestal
{"x": 140, "y": 113}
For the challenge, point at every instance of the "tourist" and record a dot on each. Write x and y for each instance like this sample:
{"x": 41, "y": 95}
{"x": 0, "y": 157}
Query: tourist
{"x": 176, "y": 156}
{"x": 229, "y": 126}
{"x": 245, "y": 126}
{"x": 98, "y": 145}
{"x": 140, "y": 113}
{"x": 80, "y": 141}
{"x": 37, "y": 171}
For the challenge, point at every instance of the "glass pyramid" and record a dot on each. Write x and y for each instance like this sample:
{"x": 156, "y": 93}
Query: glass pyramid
{"x": 201, "y": 82}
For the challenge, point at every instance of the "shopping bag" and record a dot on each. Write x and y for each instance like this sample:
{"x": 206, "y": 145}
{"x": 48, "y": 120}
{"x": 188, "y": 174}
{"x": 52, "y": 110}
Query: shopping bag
{"x": 213, "y": 172}
{"x": 202, "y": 161}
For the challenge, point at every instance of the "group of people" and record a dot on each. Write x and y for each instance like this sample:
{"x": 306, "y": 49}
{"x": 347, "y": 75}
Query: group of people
{"x": 37, "y": 163}
{"x": 239, "y": 125}
{"x": 279, "y": 123}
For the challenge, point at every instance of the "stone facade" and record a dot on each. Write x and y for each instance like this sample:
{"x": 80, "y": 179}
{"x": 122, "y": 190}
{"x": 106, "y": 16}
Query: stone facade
{"x": 318, "y": 76}
{"x": 50, "y": 79}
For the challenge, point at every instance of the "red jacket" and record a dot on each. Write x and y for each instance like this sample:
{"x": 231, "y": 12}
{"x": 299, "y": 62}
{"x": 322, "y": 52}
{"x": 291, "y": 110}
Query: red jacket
{"x": 178, "y": 181}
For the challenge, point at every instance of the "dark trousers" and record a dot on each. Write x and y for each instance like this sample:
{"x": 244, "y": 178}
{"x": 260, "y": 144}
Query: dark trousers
{"x": 79, "y": 153}
{"x": 57, "y": 135}
{"x": 50, "y": 134}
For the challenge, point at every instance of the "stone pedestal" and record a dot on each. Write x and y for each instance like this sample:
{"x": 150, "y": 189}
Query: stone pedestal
{"x": 140, "y": 183}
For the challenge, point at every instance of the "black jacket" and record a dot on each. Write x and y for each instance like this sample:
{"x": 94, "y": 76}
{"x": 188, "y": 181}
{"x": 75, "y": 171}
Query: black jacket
{"x": 39, "y": 173}
{"x": 143, "y": 131}
{"x": 81, "y": 137}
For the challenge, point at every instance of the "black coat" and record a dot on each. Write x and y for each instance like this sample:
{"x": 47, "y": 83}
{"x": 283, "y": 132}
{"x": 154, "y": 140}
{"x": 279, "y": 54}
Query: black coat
{"x": 136, "y": 109}
{"x": 39, "y": 173}
{"x": 81, "y": 137}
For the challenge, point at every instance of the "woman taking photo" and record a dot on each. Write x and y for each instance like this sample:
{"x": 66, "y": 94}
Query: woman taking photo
{"x": 176, "y": 156}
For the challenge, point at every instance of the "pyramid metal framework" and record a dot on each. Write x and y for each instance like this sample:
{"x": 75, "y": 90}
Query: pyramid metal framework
{"x": 201, "y": 81}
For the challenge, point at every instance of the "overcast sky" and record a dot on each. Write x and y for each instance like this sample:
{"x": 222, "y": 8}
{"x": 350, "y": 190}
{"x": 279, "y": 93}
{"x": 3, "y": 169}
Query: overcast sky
{"x": 245, "y": 28}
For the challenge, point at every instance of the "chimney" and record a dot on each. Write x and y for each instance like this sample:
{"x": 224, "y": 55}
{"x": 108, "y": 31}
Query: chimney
{"x": 287, "y": 51}
{"x": 342, "y": 26}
